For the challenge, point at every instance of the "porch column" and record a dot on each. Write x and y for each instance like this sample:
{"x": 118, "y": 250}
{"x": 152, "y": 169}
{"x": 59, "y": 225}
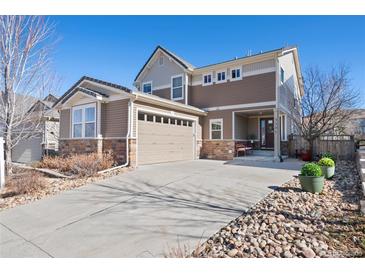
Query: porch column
{"x": 99, "y": 136}
{"x": 276, "y": 135}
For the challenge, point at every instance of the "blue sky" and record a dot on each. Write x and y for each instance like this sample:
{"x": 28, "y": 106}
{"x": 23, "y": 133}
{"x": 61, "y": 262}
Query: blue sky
{"x": 114, "y": 48}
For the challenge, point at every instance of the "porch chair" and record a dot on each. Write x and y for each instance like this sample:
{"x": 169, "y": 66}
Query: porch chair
{"x": 242, "y": 148}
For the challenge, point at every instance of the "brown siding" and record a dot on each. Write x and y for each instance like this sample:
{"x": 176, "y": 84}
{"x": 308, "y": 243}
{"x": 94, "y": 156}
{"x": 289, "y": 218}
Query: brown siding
{"x": 251, "y": 89}
{"x": 166, "y": 93}
{"x": 114, "y": 118}
{"x": 65, "y": 123}
{"x": 227, "y": 123}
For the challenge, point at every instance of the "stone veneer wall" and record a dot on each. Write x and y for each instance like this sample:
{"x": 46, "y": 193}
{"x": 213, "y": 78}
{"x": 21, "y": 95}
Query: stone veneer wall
{"x": 284, "y": 148}
{"x": 217, "y": 149}
{"x": 79, "y": 146}
{"x": 115, "y": 146}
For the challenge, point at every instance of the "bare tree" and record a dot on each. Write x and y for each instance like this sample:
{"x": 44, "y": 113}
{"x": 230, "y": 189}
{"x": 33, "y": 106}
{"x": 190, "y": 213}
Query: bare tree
{"x": 25, "y": 44}
{"x": 328, "y": 102}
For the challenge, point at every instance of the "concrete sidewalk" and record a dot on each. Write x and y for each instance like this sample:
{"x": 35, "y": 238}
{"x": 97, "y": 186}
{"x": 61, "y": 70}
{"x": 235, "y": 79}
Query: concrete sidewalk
{"x": 142, "y": 213}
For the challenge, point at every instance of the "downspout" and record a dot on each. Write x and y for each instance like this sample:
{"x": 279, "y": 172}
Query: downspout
{"x": 126, "y": 140}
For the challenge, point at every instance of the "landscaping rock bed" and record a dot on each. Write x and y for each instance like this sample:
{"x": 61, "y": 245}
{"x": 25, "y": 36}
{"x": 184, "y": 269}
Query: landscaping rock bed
{"x": 292, "y": 223}
{"x": 51, "y": 186}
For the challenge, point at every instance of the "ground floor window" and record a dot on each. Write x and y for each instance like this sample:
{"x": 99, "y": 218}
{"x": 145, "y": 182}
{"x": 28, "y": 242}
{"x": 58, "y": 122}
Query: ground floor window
{"x": 84, "y": 121}
{"x": 216, "y": 129}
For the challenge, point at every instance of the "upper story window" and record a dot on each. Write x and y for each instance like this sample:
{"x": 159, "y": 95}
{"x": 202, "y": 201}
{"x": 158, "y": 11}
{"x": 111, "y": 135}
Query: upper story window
{"x": 84, "y": 121}
{"x": 177, "y": 87}
{"x": 216, "y": 129}
{"x": 147, "y": 87}
{"x": 207, "y": 79}
{"x": 236, "y": 74}
{"x": 221, "y": 76}
{"x": 282, "y": 75}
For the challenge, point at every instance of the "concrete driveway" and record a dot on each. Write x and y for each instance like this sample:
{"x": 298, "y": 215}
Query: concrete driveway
{"x": 143, "y": 213}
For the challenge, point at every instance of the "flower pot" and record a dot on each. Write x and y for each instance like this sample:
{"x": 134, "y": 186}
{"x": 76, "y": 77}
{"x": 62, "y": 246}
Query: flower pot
{"x": 313, "y": 184}
{"x": 306, "y": 155}
{"x": 328, "y": 171}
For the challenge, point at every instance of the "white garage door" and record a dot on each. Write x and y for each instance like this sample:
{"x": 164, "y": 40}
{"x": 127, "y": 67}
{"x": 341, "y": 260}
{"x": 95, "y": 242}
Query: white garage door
{"x": 164, "y": 139}
{"x": 27, "y": 151}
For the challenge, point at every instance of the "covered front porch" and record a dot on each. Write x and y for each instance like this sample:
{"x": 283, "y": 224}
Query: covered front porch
{"x": 258, "y": 133}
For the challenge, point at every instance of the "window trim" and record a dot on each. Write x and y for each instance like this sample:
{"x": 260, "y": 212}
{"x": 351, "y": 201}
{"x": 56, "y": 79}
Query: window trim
{"x": 211, "y": 121}
{"x": 146, "y": 83}
{"x": 282, "y": 75}
{"x": 172, "y": 88}
{"x": 83, "y": 122}
{"x": 225, "y": 76}
{"x": 211, "y": 79}
{"x": 237, "y": 78}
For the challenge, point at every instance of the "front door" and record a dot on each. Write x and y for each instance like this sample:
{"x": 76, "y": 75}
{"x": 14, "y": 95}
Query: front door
{"x": 267, "y": 133}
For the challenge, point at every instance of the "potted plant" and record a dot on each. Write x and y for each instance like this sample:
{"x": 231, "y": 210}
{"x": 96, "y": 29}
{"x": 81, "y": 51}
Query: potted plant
{"x": 329, "y": 155}
{"x": 311, "y": 178}
{"x": 306, "y": 155}
{"x": 327, "y": 166}
{"x": 251, "y": 138}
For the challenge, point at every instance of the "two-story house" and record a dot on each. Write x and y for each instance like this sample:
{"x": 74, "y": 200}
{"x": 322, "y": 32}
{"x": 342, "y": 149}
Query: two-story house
{"x": 182, "y": 112}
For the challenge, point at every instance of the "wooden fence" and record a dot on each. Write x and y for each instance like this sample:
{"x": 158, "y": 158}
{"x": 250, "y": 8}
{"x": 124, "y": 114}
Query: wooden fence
{"x": 342, "y": 146}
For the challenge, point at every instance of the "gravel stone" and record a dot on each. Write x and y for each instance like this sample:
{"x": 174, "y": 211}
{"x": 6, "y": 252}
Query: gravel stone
{"x": 292, "y": 223}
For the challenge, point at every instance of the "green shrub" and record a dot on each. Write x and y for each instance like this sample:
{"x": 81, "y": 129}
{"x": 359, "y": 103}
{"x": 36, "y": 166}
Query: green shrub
{"x": 311, "y": 169}
{"x": 326, "y": 162}
{"x": 329, "y": 155}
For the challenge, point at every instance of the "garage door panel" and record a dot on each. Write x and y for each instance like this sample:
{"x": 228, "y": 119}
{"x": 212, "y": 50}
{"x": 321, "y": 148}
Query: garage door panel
{"x": 27, "y": 151}
{"x": 159, "y": 142}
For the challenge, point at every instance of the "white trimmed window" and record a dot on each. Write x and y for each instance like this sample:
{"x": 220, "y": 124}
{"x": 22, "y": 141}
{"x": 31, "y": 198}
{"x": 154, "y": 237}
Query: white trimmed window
{"x": 207, "y": 79}
{"x": 216, "y": 129}
{"x": 84, "y": 121}
{"x": 282, "y": 75}
{"x": 177, "y": 87}
{"x": 221, "y": 76}
{"x": 283, "y": 129}
{"x": 236, "y": 74}
{"x": 147, "y": 87}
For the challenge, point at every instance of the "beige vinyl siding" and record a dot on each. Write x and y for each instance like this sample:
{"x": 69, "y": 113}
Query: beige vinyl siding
{"x": 240, "y": 127}
{"x": 161, "y": 75}
{"x": 65, "y": 123}
{"x": 253, "y": 127}
{"x": 258, "y": 67}
{"x": 114, "y": 118}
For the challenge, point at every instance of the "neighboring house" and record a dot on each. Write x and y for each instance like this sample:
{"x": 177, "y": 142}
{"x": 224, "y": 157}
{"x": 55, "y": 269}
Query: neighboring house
{"x": 45, "y": 139}
{"x": 180, "y": 112}
{"x": 354, "y": 126}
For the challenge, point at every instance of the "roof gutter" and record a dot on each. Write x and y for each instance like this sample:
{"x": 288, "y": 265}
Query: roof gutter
{"x": 127, "y": 137}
